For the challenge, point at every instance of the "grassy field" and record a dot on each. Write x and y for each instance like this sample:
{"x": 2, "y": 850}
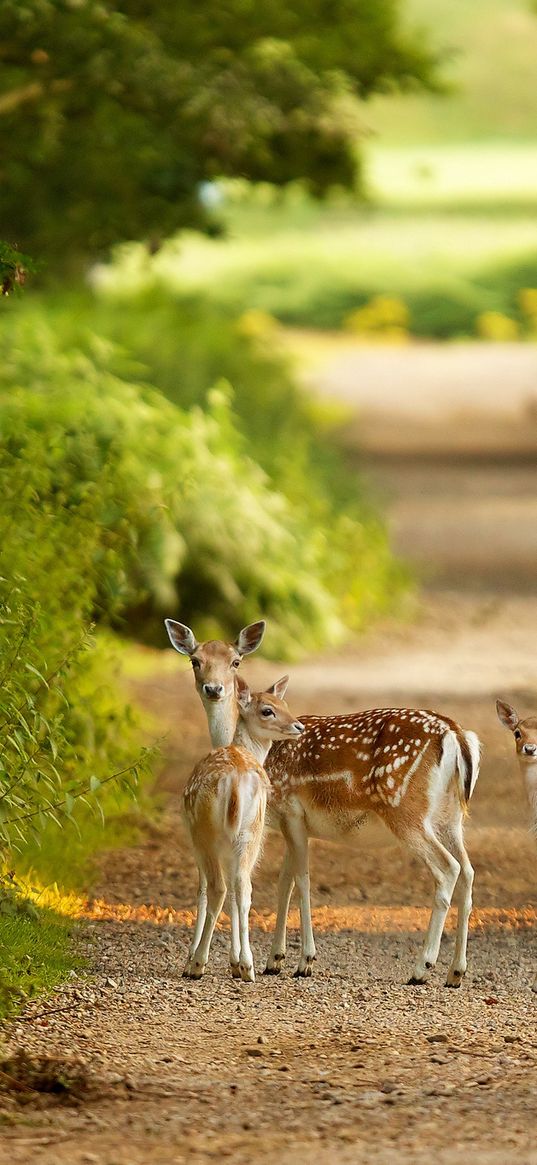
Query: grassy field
{"x": 489, "y": 48}
{"x": 449, "y": 229}
{"x": 491, "y": 178}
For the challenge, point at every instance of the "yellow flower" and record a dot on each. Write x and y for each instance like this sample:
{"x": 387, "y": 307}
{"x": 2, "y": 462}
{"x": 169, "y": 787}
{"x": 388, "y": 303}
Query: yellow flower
{"x": 493, "y": 325}
{"x": 384, "y": 316}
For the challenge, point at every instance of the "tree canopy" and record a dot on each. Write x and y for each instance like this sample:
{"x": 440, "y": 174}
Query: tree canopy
{"x": 113, "y": 115}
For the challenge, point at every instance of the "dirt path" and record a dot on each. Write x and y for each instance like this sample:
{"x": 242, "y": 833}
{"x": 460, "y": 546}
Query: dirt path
{"x": 352, "y": 1065}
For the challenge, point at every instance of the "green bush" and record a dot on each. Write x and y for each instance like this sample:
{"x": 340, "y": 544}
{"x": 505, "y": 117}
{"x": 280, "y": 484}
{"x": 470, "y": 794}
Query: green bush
{"x": 59, "y": 711}
{"x": 187, "y": 521}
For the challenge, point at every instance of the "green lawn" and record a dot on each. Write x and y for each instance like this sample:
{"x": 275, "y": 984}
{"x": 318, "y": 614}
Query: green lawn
{"x": 37, "y": 955}
{"x": 490, "y": 178}
{"x": 450, "y": 229}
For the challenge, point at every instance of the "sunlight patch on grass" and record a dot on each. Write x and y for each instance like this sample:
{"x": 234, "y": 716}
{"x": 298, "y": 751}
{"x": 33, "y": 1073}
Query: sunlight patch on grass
{"x": 463, "y": 174}
{"x": 35, "y": 939}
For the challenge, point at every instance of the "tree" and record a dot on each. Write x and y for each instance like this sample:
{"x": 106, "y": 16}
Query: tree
{"x": 13, "y": 268}
{"x": 112, "y": 115}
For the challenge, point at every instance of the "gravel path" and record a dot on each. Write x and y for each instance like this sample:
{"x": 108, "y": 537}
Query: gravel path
{"x": 350, "y": 1066}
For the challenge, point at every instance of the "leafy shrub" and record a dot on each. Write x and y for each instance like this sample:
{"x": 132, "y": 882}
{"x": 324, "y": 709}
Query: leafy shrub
{"x": 493, "y": 325}
{"x": 59, "y": 736}
{"x": 527, "y": 302}
{"x": 188, "y": 520}
{"x": 385, "y": 317}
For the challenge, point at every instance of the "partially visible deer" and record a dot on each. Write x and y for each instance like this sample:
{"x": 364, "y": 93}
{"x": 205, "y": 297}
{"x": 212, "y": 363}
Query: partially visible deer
{"x": 525, "y": 734}
{"x": 224, "y": 802}
{"x": 415, "y": 769}
{"x": 215, "y": 664}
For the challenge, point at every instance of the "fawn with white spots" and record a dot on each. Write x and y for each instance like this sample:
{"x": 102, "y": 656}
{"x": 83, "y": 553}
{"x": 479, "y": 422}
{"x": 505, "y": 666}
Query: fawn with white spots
{"x": 525, "y": 734}
{"x": 415, "y": 769}
{"x": 224, "y": 802}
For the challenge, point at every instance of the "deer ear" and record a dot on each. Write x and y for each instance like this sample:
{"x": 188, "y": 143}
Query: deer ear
{"x": 250, "y": 637}
{"x": 279, "y": 688}
{"x": 181, "y": 637}
{"x": 507, "y": 714}
{"x": 242, "y": 690}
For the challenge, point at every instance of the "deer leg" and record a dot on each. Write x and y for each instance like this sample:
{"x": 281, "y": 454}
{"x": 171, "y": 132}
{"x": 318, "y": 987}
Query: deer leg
{"x": 200, "y": 918}
{"x": 445, "y": 870}
{"x": 453, "y": 837}
{"x": 296, "y": 837}
{"x": 216, "y": 892}
{"x": 285, "y": 889}
{"x": 243, "y": 889}
{"x": 235, "y": 946}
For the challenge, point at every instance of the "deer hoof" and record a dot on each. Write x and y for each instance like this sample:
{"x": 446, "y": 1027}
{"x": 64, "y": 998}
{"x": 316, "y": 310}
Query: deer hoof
{"x": 454, "y": 978}
{"x": 304, "y": 972}
{"x": 274, "y": 965}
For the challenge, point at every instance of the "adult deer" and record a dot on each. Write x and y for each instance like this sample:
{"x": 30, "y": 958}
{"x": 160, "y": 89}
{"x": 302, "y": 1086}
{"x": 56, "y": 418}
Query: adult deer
{"x": 415, "y": 769}
{"x": 525, "y": 734}
{"x": 225, "y": 802}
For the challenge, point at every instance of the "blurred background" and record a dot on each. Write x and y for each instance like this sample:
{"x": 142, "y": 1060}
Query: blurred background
{"x": 275, "y": 353}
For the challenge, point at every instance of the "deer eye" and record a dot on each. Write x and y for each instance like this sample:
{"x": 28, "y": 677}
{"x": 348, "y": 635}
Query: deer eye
{"x": 196, "y": 664}
{"x": 266, "y": 711}
{"x": 517, "y": 734}
{"x": 235, "y": 663}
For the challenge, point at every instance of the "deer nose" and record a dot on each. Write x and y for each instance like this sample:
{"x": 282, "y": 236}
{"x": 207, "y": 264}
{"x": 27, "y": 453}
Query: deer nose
{"x": 298, "y": 727}
{"x": 213, "y": 691}
{"x": 530, "y": 749}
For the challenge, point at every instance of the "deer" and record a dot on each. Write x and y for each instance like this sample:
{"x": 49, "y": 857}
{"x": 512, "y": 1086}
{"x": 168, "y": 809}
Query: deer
{"x": 215, "y": 665}
{"x": 413, "y": 768}
{"x": 224, "y": 804}
{"x": 525, "y": 734}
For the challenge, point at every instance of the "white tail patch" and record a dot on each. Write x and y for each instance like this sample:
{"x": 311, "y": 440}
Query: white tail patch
{"x": 474, "y": 744}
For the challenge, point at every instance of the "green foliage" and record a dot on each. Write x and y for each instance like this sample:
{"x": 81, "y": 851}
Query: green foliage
{"x": 36, "y": 945}
{"x": 385, "y": 317}
{"x": 182, "y": 517}
{"x": 58, "y": 722}
{"x": 312, "y": 266}
{"x": 111, "y": 115}
{"x": 13, "y": 268}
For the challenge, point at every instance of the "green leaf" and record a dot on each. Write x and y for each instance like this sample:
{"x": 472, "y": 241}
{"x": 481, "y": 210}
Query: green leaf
{"x": 40, "y": 676}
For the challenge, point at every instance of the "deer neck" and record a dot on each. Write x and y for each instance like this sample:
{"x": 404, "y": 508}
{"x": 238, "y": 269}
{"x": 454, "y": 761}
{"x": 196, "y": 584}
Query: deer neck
{"x": 259, "y": 748}
{"x": 222, "y": 717}
{"x": 529, "y": 773}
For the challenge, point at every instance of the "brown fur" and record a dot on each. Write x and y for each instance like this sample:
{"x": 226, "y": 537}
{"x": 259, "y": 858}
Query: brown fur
{"x": 339, "y": 744}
